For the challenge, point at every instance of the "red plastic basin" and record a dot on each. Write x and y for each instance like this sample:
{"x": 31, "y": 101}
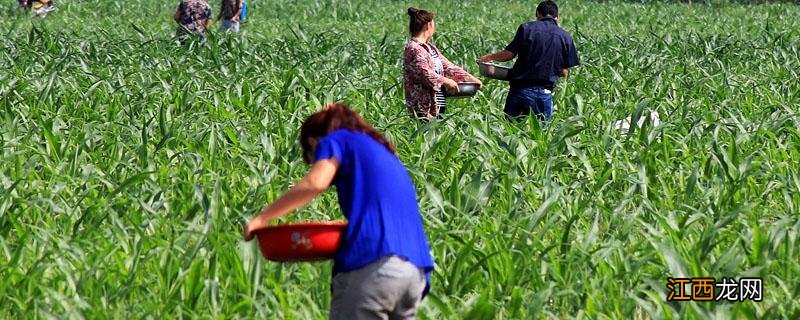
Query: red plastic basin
{"x": 307, "y": 241}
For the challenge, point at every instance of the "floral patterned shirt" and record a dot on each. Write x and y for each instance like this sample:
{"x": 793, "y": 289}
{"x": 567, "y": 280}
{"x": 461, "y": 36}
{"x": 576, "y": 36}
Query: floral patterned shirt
{"x": 194, "y": 14}
{"x": 421, "y": 81}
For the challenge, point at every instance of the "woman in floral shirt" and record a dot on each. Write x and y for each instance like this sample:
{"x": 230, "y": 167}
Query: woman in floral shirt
{"x": 194, "y": 16}
{"x": 426, "y": 71}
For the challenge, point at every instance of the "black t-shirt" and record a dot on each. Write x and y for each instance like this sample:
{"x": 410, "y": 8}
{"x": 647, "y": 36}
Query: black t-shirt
{"x": 229, "y": 8}
{"x": 542, "y": 50}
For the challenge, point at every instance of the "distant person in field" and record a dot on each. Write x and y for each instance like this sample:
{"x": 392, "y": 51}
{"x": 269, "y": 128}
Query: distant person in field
{"x": 40, "y": 7}
{"x": 193, "y": 18}
{"x": 426, "y": 71}
{"x": 382, "y": 269}
{"x": 230, "y": 12}
{"x": 243, "y": 15}
{"x": 544, "y": 53}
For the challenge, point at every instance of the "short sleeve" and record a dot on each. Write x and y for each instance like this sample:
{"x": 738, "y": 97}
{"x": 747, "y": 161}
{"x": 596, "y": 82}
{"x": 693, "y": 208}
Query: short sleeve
{"x": 328, "y": 148}
{"x": 570, "y": 57}
{"x": 518, "y": 40}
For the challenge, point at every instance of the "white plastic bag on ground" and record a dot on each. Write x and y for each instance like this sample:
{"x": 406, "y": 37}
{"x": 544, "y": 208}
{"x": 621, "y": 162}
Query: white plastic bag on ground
{"x": 624, "y": 125}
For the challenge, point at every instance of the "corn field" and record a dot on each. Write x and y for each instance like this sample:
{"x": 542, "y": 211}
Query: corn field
{"x": 130, "y": 163}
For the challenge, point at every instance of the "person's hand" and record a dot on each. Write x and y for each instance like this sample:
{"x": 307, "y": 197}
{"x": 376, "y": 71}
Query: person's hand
{"x": 251, "y": 227}
{"x": 476, "y": 80}
{"x": 450, "y": 84}
{"x": 486, "y": 58}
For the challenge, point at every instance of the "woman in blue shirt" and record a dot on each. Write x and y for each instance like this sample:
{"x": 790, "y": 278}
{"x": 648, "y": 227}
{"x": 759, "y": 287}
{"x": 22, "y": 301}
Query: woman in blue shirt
{"x": 382, "y": 269}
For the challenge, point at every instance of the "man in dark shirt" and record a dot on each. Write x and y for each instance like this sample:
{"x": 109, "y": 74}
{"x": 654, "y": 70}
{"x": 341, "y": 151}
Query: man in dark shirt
{"x": 544, "y": 53}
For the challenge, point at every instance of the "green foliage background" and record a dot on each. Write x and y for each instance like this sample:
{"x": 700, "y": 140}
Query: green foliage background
{"x": 129, "y": 163}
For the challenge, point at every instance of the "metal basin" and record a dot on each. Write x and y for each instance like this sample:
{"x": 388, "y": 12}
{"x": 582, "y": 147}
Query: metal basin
{"x": 493, "y": 71}
{"x": 465, "y": 89}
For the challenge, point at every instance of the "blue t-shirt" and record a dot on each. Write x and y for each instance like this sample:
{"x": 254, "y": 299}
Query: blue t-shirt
{"x": 379, "y": 200}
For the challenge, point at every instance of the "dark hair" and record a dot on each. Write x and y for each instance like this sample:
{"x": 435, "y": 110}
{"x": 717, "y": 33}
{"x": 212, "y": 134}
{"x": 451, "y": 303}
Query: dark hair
{"x": 418, "y": 18}
{"x": 547, "y": 8}
{"x": 333, "y": 117}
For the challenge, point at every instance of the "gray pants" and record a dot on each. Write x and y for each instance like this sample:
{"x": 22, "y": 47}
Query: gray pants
{"x": 390, "y": 288}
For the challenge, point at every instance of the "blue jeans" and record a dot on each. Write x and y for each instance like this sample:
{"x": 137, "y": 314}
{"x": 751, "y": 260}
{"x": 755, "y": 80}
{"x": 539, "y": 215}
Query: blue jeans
{"x": 524, "y": 101}
{"x": 229, "y": 25}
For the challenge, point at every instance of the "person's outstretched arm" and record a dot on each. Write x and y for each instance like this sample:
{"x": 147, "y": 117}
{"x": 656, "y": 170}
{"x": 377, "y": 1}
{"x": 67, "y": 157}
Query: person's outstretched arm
{"x": 501, "y": 56}
{"x": 511, "y": 49}
{"x": 456, "y": 73}
{"x": 238, "y": 12}
{"x": 317, "y": 180}
{"x": 177, "y": 15}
